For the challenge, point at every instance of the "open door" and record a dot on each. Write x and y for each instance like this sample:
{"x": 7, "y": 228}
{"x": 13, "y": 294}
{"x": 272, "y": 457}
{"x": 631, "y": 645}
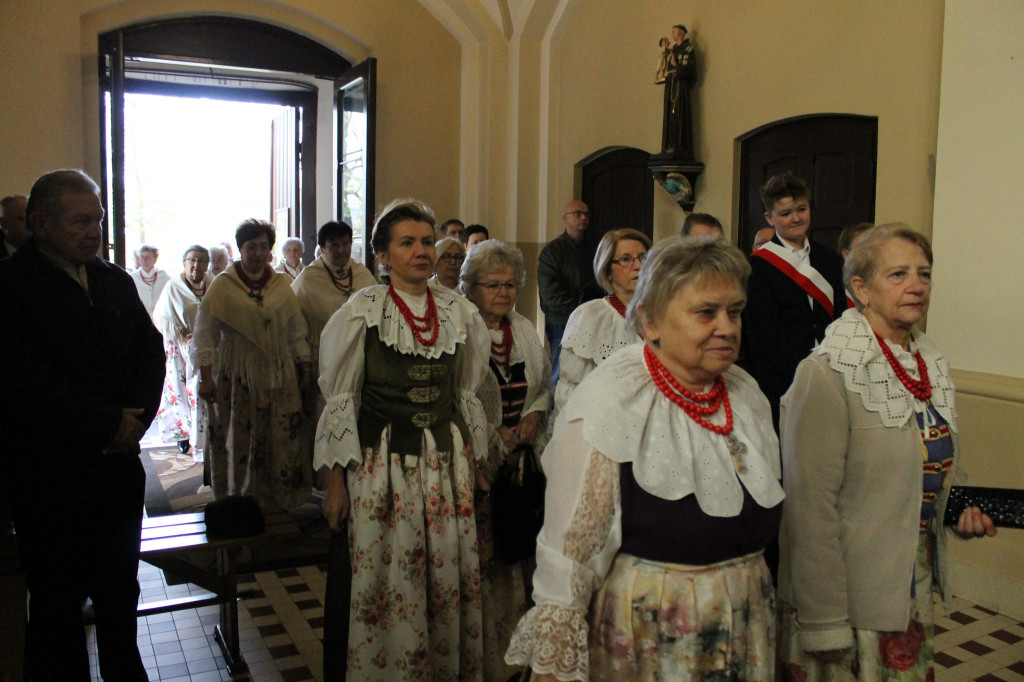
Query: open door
{"x": 355, "y": 107}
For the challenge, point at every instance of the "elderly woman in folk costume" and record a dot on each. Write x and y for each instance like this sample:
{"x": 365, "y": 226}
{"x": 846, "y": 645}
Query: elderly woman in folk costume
{"x": 323, "y": 287}
{"x": 597, "y": 328}
{"x": 662, "y": 495}
{"x": 254, "y": 366}
{"x": 869, "y": 449}
{"x": 181, "y": 415}
{"x": 451, "y": 253}
{"x": 518, "y": 392}
{"x": 400, "y": 365}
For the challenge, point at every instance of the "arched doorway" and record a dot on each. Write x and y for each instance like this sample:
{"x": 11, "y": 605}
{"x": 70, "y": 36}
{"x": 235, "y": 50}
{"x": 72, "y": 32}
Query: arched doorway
{"x": 213, "y": 57}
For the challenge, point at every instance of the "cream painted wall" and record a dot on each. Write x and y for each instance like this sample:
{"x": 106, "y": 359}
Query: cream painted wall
{"x": 979, "y": 174}
{"x": 48, "y": 116}
{"x": 758, "y": 63}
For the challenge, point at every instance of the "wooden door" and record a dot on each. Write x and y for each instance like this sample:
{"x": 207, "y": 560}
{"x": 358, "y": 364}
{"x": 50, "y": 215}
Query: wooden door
{"x": 617, "y": 186}
{"x": 834, "y": 153}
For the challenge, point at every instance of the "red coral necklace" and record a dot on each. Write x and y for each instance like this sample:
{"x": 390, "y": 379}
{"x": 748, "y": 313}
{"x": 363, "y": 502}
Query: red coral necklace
{"x": 418, "y": 324}
{"x": 342, "y": 284}
{"x": 699, "y": 406}
{"x": 501, "y": 353}
{"x": 617, "y": 303}
{"x": 255, "y": 285}
{"x": 198, "y": 293}
{"x": 148, "y": 280}
{"x": 919, "y": 388}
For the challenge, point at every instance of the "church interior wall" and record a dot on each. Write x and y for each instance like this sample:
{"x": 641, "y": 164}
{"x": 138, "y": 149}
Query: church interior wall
{"x": 485, "y": 106}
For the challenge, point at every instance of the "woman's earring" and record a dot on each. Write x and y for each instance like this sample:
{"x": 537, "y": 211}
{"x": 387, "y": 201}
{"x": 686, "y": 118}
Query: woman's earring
{"x": 656, "y": 343}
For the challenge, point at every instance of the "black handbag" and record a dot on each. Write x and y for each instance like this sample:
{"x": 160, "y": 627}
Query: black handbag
{"x": 1005, "y": 506}
{"x": 517, "y": 505}
{"x": 234, "y": 516}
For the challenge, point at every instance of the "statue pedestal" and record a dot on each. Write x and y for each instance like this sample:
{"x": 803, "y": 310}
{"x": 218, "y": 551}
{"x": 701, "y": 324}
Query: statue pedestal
{"x": 678, "y": 176}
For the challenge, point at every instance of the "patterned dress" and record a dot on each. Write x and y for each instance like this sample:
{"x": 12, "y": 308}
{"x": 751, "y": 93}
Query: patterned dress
{"x": 404, "y": 421}
{"x": 253, "y": 343}
{"x": 649, "y": 564}
{"x": 181, "y": 416}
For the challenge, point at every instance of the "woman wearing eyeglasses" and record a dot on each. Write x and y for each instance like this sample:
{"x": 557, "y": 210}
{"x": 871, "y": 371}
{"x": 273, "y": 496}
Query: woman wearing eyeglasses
{"x": 597, "y": 328}
{"x": 519, "y": 391}
{"x": 175, "y": 317}
{"x": 450, "y": 256}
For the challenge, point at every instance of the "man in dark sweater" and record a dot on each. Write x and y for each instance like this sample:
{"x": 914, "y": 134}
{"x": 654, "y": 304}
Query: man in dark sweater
{"x": 565, "y": 266}
{"x": 82, "y": 377}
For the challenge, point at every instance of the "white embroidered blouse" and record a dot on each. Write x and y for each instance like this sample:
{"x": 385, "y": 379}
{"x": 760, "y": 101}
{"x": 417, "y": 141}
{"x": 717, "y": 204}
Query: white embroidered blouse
{"x": 594, "y": 331}
{"x": 618, "y": 415}
{"x": 342, "y": 364}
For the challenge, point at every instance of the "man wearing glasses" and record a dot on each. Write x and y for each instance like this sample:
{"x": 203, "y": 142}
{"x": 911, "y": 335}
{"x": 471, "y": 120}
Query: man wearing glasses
{"x": 564, "y": 268}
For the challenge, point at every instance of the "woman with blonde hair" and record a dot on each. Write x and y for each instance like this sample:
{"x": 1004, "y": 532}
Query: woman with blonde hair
{"x": 597, "y": 328}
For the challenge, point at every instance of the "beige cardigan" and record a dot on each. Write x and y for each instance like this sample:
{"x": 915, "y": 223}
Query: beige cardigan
{"x": 851, "y": 517}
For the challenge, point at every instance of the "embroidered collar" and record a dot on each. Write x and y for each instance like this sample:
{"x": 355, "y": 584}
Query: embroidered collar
{"x": 854, "y": 352}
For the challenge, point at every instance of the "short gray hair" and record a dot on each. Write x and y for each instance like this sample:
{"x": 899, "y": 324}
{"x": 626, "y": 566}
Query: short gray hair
{"x": 47, "y": 194}
{"x": 150, "y": 248}
{"x": 443, "y": 245}
{"x": 198, "y": 248}
{"x": 292, "y": 240}
{"x": 865, "y": 256}
{"x": 676, "y": 262}
{"x": 606, "y": 251}
{"x": 489, "y": 256}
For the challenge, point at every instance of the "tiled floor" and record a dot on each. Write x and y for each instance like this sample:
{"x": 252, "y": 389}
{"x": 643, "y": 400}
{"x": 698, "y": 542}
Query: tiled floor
{"x": 281, "y": 633}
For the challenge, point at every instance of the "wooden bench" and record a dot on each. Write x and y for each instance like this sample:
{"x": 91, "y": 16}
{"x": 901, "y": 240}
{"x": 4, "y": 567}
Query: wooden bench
{"x": 168, "y": 540}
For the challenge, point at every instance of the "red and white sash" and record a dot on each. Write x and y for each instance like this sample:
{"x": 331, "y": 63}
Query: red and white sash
{"x": 800, "y": 271}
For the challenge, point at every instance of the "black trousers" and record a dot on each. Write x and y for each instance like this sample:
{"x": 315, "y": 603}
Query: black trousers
{"x": 79, "y": 536}
{"x": 337, "y": 605}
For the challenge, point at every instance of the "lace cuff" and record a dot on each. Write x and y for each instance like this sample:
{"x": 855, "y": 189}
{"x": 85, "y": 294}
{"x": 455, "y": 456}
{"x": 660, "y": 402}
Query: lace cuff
{"x": 337, "y": 438}
{"x": 552, "y": 639}
{"x": 472, "y": 411}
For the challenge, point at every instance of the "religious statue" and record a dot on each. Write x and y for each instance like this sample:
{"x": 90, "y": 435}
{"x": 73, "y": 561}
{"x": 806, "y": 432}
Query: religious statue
{"x": 679, "y": 76}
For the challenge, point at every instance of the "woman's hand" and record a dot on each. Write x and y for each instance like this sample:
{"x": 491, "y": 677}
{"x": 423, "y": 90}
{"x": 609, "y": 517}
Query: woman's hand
{"x": 527, "y": 428}
{"x": 336, "y": 502}
{"x": 509, "y": 437}
{"x": 973, "y": 523}
{"x": 543, "y": 678}
{"x": 482, "y": 483}
{"x": 207, "y": 386}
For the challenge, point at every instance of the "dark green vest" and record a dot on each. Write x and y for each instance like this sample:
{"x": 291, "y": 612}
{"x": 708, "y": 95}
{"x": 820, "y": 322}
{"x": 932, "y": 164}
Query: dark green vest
{"x": 411, "y": 393}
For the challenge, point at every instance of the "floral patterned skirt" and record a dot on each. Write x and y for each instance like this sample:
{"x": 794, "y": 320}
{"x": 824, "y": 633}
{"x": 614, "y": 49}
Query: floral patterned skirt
{"x": 415, "y": 611}
{"x": 890, "y": 656}
{"x": 258, "y": 450}
{"x": 181, "y": 416}
{"x": 661, "y": 621}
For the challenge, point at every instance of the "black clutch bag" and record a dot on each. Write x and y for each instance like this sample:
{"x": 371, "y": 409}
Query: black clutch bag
{"x": 234, "y": 516}
{"x": 1005, "y": 506}
{"x": 517, "y": 505}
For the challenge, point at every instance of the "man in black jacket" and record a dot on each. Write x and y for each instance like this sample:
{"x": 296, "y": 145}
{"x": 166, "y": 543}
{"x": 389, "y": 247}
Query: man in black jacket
{"x": 565, "y": 267}
{"x": 794, "y": 292}
{"x": 82, "y": 377}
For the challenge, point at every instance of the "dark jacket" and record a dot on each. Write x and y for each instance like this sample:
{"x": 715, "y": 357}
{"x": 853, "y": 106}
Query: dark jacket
{"x": 71, "y": 361}
{"x": 563, "y": 269}
{"x": 779, "y": 326}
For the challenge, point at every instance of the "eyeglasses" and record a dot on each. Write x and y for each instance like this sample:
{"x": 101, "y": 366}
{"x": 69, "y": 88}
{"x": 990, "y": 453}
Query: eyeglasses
{"x": 198, "y": 260}
{"x": 578, "y": 213}
{"x": 452, "y": 257}
{"x": 493, "y": 287}
{"x": 626, "y": 259}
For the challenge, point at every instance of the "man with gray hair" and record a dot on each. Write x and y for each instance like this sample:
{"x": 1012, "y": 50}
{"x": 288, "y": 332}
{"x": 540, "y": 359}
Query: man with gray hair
{"x": 82, "y": 375}
{"x": 12, "y": 223}
{"x": 149, "y": 279}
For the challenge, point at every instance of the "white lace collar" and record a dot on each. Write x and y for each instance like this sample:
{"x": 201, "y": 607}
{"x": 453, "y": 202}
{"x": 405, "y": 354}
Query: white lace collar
{"x": 595, "y": 330}
{"x": 853, "y": 351}
{"x": 375, "y": 307}
{"x": 628, "y": 419}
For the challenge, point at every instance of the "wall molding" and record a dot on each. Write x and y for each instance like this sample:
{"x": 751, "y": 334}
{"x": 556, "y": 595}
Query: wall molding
{"x": 985, "y": 588}
{"x": 986, "y": 385}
